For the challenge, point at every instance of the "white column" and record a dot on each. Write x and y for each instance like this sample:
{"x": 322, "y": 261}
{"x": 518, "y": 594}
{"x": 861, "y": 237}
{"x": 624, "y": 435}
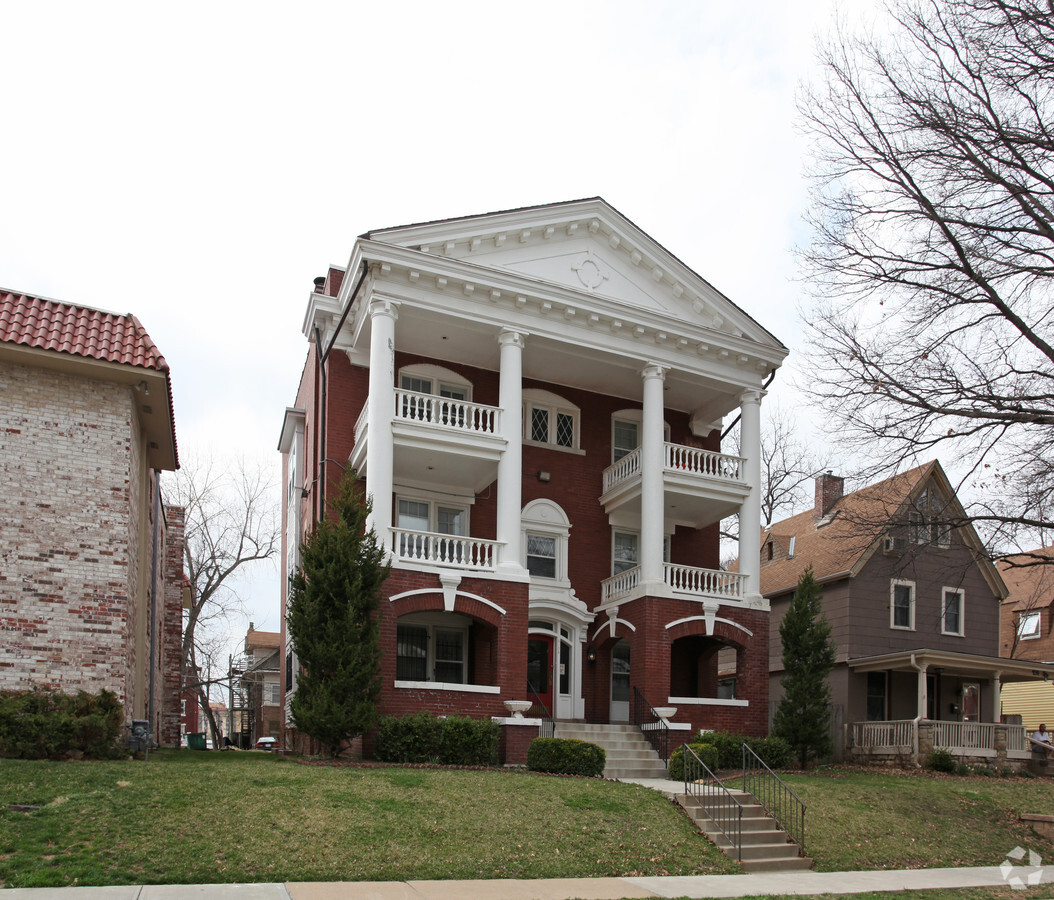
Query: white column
{"x": 380, "y": 452}
{"x": 652, "y": 487}
{"x": 750, "y": 510}
{"x": 510, "y": 466}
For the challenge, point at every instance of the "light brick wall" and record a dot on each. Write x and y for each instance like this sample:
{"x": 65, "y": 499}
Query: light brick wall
{"x": 70, "y": 528}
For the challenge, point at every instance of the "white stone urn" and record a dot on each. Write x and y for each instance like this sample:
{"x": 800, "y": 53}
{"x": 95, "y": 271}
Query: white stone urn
{"x": 517, "y": 707}
{"x": 666, "y": 712}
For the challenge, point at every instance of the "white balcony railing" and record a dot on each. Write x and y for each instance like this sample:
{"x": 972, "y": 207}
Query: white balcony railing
{"x": 461, "y": 415}
{"x": 726, "y": 586}
{"x": 959, "y": 737}
{"x": 448, "y": 551}
{"x": 705, "y": 462}
{"x": 705, "y": 582}
{"x": 682, "y": 460}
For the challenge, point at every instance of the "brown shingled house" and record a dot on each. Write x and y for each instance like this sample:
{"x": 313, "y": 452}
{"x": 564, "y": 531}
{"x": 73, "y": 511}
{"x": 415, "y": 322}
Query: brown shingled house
{"x": 914, "y": 603}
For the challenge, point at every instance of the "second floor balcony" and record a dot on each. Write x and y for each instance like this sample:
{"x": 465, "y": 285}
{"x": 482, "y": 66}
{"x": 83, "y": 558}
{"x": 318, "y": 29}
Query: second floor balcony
{"x": 700, "y": 486}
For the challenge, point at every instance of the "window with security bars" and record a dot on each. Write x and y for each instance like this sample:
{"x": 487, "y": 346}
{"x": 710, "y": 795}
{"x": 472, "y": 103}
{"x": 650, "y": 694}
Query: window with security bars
{"x": 541, "y": 556}
{"x": 450, "y": 655}
{"x": 411, "y": 653}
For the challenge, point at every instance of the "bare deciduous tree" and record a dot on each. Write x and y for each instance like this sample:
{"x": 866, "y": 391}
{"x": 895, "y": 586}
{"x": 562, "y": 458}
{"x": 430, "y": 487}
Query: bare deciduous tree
{"x": 933, "y": 256}
{"x": 231, "y": 523}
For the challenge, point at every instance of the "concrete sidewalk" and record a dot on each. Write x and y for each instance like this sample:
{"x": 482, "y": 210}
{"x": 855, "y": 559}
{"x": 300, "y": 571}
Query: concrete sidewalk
{"x": 779, "y": 883}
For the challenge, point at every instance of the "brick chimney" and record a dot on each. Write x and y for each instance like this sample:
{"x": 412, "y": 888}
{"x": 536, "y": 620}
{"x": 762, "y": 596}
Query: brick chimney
{"x": 828, "y": 491}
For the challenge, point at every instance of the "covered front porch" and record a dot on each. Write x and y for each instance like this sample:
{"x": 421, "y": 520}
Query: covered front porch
{"x": 938, "y": 699}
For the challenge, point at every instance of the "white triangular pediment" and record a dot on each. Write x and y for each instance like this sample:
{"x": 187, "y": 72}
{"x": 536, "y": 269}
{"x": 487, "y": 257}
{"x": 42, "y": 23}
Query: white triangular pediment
{"x": 588, "y": 247}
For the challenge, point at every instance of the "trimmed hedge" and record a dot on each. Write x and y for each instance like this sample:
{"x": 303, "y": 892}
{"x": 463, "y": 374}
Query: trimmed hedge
{"x": 774, "y": 751}
{"x": 566, "y": 756}
{"x": 42, "y": 724}
{"x": 707, "y": 753}
{"x": 426, "y": 738}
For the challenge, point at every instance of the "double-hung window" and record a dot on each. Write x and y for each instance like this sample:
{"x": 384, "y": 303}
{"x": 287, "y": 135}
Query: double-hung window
{"x": 902, "y": 605}
{"x": 625, "y": 552}
{"x": 425, "y": 519}
{"x": 952, "y": 612}
{"x": 541, "y": 555}
{"x": 432, "y": 380}
{"x": 625, "y": 438}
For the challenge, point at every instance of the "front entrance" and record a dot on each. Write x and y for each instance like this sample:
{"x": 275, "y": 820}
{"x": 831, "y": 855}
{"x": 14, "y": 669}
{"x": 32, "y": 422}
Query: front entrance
{"x": 619, "y": 711}
{"x": 540, "y": 670}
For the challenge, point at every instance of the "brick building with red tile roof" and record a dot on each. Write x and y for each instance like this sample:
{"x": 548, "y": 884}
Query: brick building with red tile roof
{"x": 90, "y": 561}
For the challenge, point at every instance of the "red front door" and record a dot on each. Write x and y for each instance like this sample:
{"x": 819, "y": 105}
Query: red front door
{"x": 540, "y": 670}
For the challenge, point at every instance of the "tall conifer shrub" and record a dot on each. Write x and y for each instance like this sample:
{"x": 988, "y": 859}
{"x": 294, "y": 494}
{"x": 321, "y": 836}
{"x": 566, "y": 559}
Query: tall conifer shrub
{"x": 332, "y": 624}
{"x": 803, "y": 717}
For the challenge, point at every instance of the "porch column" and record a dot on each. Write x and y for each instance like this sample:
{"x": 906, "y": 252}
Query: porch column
{"x": 510, "y": 466}
{"x": 750, "y": 510}
{"x": 380, "y": 451}
{"x": 652, "y": 487}
{"x": 997, "y": 702}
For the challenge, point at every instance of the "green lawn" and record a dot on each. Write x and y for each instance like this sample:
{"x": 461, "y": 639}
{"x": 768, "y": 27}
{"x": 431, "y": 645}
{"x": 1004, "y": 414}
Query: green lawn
{"x": 186, "y": 817}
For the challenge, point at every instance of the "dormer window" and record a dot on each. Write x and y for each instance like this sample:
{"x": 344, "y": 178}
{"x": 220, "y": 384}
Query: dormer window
{"x": 925, "y": 521}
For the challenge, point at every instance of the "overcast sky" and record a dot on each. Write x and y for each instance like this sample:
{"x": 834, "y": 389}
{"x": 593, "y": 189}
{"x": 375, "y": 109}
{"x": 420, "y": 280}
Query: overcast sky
{"x": 199, "y": 164}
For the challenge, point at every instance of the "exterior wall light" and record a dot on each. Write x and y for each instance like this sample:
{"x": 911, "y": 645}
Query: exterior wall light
{"x": 545, "y": 476}
{"x": 591, "y": 655}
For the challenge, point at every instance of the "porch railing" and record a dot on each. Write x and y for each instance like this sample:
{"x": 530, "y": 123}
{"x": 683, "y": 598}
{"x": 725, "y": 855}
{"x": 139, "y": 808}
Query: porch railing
{"x": 775, "y": 795}
{"x": 651, "y": 725}
{"x": 624, "y": 468}
{"x": 896, "y": 735}
{"x": 717, "y": 801}
{"x": 698, "y": 582}
{"x": 540, "y": 711}
{"x": 708, "y": 582}
{"x": 704, "y": 462}
{"x": 444, "y": 550}
{"x": 958, "y": 736}
{"x": 462, "y": 415}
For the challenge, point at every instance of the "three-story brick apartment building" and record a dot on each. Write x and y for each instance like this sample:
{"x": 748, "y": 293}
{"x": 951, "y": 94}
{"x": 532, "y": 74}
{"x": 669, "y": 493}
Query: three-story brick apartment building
{"x": 535, "y": 400}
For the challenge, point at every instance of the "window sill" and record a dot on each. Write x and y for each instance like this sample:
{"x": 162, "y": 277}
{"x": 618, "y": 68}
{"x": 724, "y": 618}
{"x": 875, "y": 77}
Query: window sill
{"x": 448, "y": 686}
{"x": 902, "y": 627}
{"x": 958, "y": 634}
{"x": 706, "y": 701}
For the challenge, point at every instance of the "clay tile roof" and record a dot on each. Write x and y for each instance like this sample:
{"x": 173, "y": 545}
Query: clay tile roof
{"x": 836, "y": 543}
{"x": 77, "y": 330}
{"x": 1031, "y": 586}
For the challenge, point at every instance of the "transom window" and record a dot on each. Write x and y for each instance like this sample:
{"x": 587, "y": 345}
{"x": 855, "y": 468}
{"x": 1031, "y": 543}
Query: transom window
{"x": 902, "y": 605}
{"x": 1028, "y": 626}
{"x": 952, "y": 612}
{"x": 549, "y": 419}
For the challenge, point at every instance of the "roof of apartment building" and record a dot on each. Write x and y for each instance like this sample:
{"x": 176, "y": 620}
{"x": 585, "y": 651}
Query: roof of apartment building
{"x": 66, "y": 331}
{"x": 262, "y": 640}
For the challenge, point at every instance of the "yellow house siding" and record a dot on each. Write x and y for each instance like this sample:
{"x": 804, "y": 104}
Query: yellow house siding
{"x": 1032, "y": 700}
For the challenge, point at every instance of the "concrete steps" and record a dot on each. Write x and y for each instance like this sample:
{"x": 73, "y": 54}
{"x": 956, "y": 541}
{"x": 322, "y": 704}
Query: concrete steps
{"x": 766, "y": 846}
{"x": 629, "y": 755}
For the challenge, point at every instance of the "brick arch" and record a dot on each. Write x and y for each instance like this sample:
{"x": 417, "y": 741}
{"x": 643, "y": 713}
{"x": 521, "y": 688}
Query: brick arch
{"x": 723, "y": 632}
{"x": 433, "y": 602}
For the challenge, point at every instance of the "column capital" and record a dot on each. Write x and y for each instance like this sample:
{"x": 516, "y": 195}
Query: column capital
{"x": 384, "y": 306}
{"x": 509, "y": 336}
{"x": 751, "y": 396}
{"x": 653, "y": 370}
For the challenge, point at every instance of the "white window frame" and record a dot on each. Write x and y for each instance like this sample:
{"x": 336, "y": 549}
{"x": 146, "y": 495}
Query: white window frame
{"x": 272, "y": 693}
{"x": 636, "y": 535}
{"x": 433, "y": 512}
{"x": 552, "y": 405}
{"x": 546, "y": 518}
{"x": 945, "y": 591}
{"x": 893, "y": 585}
{"x": 439, "y": 379}
{"x": 1030, "y": 616}
{"x": 433, "y": 622}
{"x": 635, "y": 417}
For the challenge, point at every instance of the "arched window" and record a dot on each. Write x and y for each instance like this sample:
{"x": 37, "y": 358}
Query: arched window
{"x": 550, "y": 420}
{"x": 545, "y": 529}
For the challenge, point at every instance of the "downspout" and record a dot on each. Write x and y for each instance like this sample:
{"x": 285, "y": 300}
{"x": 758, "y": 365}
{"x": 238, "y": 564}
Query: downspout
{"x": 153, "y": 611}
{"x": 921, "y": 670}
{"x": 735, "y": 421}
{"x": 320, "y": 504}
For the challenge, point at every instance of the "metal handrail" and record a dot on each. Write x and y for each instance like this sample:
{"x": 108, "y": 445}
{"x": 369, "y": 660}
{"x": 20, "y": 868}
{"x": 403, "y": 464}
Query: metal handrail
{"x": 548, "y": 726}
{"x": 717, "y": 801}
{"x": 651, "y": 724}
{"x": 775, "y": 795}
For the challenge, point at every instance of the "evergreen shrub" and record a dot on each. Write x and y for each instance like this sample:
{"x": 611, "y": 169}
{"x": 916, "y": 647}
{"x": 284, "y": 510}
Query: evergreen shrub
{"x": 707, "y": 753}
{"x": 773, "y": 750}
{"x": 42, "y": 724}
{"x": 940, "y": 760}
{"x": 425, "y": 738}
{"x": 566, "y": 756}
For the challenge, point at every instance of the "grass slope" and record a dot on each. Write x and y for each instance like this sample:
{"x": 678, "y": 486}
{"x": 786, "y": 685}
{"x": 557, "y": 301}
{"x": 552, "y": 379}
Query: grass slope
{"x": 193, "y": 818}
